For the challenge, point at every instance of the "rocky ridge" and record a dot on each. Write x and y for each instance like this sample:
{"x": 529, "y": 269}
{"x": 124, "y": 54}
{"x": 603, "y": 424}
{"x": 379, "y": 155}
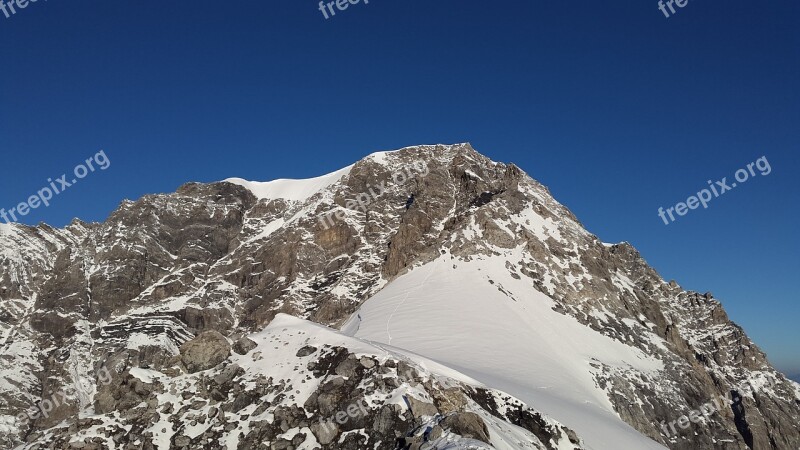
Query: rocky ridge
{"x": 165, "y": 291}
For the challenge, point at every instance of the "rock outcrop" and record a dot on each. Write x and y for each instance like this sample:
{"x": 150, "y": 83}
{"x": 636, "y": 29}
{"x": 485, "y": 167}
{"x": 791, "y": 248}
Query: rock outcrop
{"x": 205, "y": 351}
{"x": 168, "y": 292}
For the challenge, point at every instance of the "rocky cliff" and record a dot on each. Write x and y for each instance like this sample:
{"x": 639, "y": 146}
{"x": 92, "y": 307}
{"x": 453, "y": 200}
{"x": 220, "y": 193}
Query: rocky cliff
{"x": 198, "y": 320}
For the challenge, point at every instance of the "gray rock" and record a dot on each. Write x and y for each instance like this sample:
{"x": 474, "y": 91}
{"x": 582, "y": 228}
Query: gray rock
{"x": 244, "y": 345}
{"x": 467, "y": 424}
{"x": 205, "y": 351}
{"x": 305, "y": 351}
{"x": 420, "y": 408}
{"x": 325, "y": 432}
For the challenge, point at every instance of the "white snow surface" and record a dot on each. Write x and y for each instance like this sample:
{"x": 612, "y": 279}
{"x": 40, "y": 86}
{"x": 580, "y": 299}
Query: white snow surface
{"x": 286, "y": 333}
{"x": 295, "y": 190}
{"x": 515, "y": 343}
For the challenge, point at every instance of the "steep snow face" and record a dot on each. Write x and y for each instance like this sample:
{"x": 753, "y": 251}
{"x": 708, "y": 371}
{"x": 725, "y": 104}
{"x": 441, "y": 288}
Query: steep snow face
{"x": 481, "y": 268}
{"x": 294, "y": 190}
{"x": 475, "y": 317}
{"x": 296, "y": 333}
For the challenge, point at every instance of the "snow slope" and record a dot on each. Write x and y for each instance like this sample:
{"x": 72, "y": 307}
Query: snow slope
{"x": 280, "y": 361}
{"x": 303, "y": 189}
{"x": 295, "y": 190}
{"x": 276, "y": 357}
{"x": 504, "y": 333}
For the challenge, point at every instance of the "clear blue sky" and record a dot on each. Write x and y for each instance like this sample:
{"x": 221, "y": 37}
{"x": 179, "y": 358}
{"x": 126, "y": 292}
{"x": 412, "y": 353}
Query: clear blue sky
{"x": 616, "y": 108}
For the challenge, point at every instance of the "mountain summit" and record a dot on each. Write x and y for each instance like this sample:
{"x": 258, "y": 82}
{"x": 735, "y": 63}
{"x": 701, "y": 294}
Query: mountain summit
{"x": 425, "y": 298}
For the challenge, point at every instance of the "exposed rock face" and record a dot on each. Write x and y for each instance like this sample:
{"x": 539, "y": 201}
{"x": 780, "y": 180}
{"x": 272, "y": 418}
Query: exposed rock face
{"x": 244, "y": 345}
{"x": 205, "y": 351}
{"x": 466, "y": 424}
{"x": 157, "y": 291}
{"x": 324, "y": 395}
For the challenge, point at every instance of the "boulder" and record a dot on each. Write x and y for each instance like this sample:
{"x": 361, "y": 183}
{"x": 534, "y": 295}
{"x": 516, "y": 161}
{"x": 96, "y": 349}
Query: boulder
{"x": 466, "y": 424}
{"x": 205, "y": 351}
{"x": 244, "y": 345}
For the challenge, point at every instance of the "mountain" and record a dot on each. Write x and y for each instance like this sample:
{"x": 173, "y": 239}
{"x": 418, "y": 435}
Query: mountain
{"x": 425, "y": 298}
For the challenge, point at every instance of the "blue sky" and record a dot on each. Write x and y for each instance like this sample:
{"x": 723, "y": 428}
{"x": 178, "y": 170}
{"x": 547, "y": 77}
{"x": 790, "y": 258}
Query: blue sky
{"x": 616, "y": 108}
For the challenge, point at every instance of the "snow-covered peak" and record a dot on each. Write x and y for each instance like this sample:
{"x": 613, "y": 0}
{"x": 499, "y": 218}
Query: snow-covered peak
{"x": 303, "y": 189}
{"x": 287, "y": 189}
{"x": 464, "y": 269}
{"x": 383, "y": 157}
